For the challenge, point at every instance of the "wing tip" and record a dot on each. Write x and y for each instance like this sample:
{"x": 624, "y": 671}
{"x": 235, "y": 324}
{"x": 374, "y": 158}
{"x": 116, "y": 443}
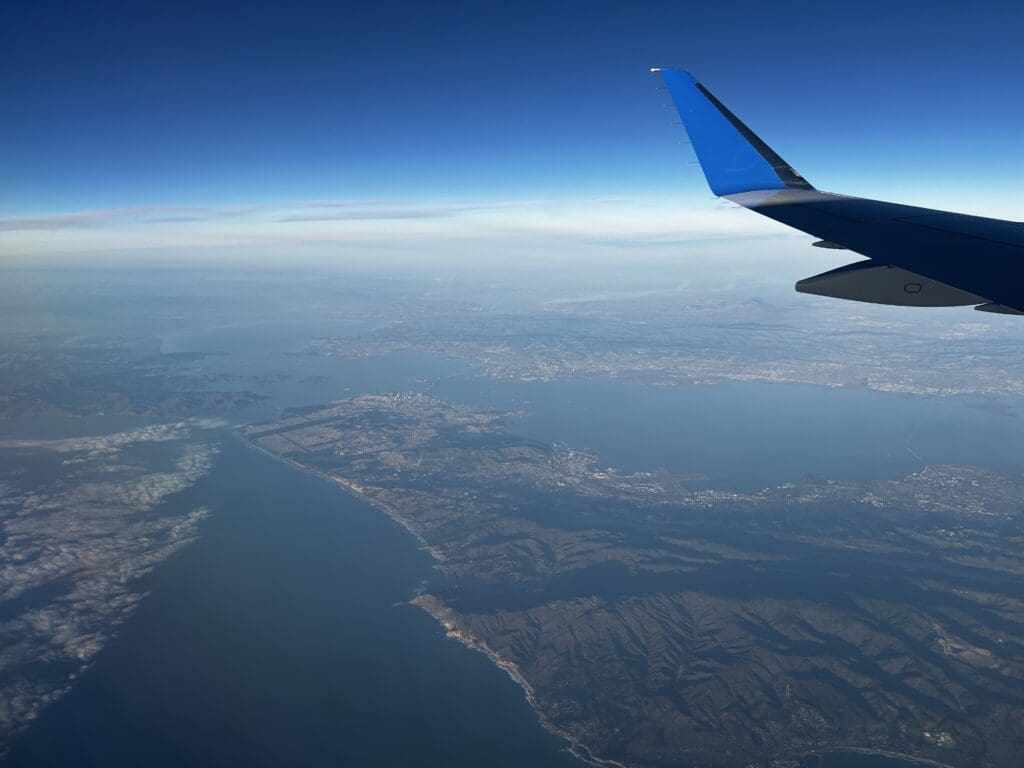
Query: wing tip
{"x": 733, "y": 158}
{"x": 674, "y": 72}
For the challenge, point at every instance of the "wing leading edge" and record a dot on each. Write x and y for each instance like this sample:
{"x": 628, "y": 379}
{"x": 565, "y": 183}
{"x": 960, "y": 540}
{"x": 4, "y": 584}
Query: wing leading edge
{"x": 942, "y": 259}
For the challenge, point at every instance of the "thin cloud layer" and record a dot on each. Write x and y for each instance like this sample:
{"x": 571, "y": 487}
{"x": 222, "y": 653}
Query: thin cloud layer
{"x": 428, "y": 224}
{"x": 371, "y": 220}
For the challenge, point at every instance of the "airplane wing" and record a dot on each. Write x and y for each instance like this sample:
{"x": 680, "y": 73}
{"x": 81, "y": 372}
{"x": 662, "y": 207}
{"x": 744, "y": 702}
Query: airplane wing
{"x": 916, "y": 256}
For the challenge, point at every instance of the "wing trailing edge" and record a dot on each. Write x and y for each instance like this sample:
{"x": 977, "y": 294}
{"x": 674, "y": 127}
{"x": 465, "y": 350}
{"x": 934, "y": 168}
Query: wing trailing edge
{"x": 882, "y": 284}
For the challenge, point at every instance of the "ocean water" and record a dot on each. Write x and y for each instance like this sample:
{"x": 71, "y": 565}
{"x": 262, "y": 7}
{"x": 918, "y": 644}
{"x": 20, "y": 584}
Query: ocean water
{"x": 282, "y": 637}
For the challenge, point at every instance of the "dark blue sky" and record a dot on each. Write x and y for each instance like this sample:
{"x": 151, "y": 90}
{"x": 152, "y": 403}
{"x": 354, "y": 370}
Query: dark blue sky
{"x": 110, "y": 105}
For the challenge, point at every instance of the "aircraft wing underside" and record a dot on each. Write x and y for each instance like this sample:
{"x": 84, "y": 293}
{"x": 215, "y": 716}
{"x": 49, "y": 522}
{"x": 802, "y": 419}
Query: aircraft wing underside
{"x": 939, "y": 258}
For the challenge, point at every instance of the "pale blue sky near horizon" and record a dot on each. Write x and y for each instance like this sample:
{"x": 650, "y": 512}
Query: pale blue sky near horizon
{"x": 141, "y": 124}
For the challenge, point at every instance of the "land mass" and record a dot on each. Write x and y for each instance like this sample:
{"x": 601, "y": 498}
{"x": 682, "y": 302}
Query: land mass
{"x": 82, "y": 521}
{"x": 653, "y": 621}
{"x": 59, "y": 375}
{"x": 671, "y": 338}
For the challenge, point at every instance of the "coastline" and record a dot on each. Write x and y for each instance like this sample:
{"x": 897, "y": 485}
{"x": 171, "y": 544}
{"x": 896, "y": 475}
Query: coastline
{"x": 447, "y": 620}
{"x": 356, "y": 490}
{"x": 444, "y": 616}
{"x": 436, "y": 609}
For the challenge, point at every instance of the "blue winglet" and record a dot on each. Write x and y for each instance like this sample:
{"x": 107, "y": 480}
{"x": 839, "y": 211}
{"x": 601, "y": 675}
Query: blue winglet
{"x": 733, "y": 158}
